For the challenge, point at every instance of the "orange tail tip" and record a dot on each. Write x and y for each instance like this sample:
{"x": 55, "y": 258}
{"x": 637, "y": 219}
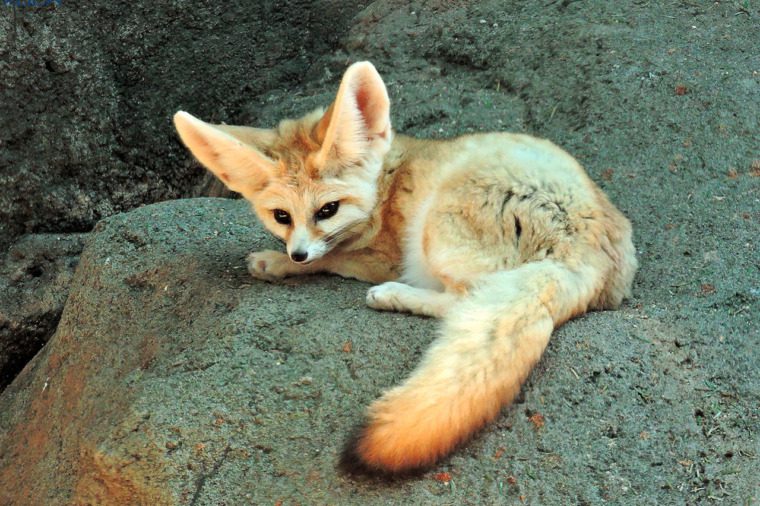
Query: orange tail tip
{"x": 360, "y": 457}
{"x": 353, "y": 462}
{"x": 406, "y": 435}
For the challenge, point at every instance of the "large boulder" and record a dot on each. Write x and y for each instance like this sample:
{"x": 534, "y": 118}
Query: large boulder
{"x": 175, "y": 378}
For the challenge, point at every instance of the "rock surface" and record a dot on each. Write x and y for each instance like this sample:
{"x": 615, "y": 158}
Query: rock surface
{"x": 87, "y": 94}
{"x": 34, "y": 284}
{"x": 174, "y": 378}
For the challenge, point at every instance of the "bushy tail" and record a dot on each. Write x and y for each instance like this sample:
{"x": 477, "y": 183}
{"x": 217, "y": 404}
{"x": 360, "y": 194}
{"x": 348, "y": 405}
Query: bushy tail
{"x": 488, "y": 344}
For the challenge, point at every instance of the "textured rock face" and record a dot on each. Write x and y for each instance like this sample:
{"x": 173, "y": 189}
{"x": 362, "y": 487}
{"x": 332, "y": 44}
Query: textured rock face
{"x": 71, "y": 431}
{"x": 79, "y": 426}
{"x": 87, "y": 94}
{"x": 34, "y": 284}
{"x": 172, "y": 375}
{"x": 174, "y": 378}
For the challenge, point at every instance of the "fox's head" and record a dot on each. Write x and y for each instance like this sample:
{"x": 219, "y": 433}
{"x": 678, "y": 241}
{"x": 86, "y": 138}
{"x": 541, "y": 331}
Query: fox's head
{"x": 313, "y": 181}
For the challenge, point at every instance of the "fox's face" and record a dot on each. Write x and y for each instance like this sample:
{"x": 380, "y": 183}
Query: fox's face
{"x": 314, "y": 214}
{"x": 313, "y": 181}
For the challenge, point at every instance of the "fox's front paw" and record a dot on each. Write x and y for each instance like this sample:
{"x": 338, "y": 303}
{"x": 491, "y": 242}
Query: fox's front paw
{"x": 393, "y": 296}
{"x": 387, "y": 297}
{"x": 269, "y": 265}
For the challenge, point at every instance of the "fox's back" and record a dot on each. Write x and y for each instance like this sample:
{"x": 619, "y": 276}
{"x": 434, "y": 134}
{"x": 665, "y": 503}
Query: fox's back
{"x": 522, "y": 198}
{"x": 516, "y": 156}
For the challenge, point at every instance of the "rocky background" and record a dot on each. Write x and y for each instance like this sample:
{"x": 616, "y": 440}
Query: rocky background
{"x": 173, "y": 378}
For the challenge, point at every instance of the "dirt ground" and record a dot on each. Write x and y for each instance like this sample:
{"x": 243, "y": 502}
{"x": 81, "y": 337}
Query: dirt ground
{"x": 656, "y": 403}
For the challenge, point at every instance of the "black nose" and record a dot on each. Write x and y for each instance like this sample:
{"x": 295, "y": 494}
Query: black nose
{"x": 298, "y": 256}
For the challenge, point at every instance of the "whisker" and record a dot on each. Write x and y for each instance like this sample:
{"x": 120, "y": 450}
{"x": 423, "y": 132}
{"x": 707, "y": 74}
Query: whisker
{"x": 339, "y": 234}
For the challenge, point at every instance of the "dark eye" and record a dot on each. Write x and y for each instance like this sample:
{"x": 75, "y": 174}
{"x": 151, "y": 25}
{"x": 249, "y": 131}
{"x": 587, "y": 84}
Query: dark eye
{"x": 327, "y": 211}
{"x": 282, "y": 217}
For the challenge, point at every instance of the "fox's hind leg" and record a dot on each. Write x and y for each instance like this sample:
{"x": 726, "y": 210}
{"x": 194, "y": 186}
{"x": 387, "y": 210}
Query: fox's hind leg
{"x": 393, "y": 296}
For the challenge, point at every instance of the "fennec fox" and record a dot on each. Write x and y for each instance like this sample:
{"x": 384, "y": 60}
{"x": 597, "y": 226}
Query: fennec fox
{"x": 504, "y": 236}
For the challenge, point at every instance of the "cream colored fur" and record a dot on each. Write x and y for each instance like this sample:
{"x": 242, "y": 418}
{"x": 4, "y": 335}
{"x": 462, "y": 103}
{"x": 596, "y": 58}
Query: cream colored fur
{"x": 502, "y": 235}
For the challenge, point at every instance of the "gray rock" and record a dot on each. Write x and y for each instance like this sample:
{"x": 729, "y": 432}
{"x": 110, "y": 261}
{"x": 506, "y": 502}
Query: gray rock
{"x": 87, "y": 95}
{"x": 175, "y": 378}
{"x": 34, "y": 284}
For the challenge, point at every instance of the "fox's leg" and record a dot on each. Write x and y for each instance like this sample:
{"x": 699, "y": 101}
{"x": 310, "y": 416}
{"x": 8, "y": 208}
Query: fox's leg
{"x": 364, "y": 265}
{"x": 269, "y": 265}
{"x": 392, "y": 296}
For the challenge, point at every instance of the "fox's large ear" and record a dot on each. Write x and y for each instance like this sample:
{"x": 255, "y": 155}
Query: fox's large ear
{"x": 239, "y": 165}
{"x": 358, "y": 123}
{"x": 259, "y": 138}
